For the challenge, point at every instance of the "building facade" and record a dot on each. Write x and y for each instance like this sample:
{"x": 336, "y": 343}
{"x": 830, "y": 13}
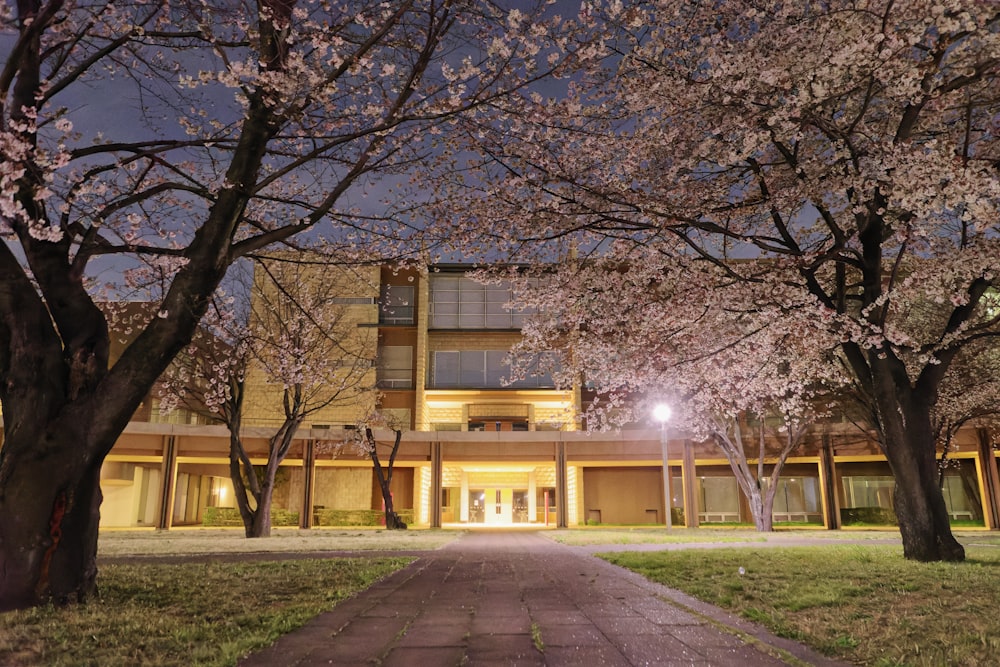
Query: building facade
{"x": 478, "y": 449}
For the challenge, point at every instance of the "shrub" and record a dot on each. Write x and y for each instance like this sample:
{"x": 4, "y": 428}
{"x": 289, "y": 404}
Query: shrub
{"x": 878, "y": 516}
{"x": 221, "y": 516}
{"x": 332, "y": 517}
{"x": 230, "y": 516}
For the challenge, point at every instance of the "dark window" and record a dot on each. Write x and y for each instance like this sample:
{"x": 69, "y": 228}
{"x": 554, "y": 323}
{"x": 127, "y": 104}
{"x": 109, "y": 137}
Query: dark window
{"x": 396, "y": 305}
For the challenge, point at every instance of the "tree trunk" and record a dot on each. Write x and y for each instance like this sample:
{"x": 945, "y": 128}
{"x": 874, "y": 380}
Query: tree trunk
{"x": 767, "y": 506}
{"x": 920, "y": 508}
{"x": 261, "y": 524}
{"x": 735, "y": 451}
{"x": 49, "y": 518}
{"x": 384, "y": 476}
{"x": 762, "y": 519}
{"x": 903, "y": 416}
{"x": 241, "y": 469}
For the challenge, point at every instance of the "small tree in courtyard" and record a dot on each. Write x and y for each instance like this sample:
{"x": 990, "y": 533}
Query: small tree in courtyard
{"x": 363, "y": 439}
{"x": 740, "y": 441}
{"x": 287, "y": 346}
{"x": 637, "y": 333}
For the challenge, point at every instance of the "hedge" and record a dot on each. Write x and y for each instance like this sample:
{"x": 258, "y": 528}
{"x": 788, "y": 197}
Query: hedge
{"x": 332, "y": 517}
{"x": 230, "y": 516}
{"x": 877, "y": 516}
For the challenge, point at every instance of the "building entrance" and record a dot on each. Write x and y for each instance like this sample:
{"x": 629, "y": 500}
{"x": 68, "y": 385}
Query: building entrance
{"x": 498, "y": 495}
{"x": 498, "y": 506}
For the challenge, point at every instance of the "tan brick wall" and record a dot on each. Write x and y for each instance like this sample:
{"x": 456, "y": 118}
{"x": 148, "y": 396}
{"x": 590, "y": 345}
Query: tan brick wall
{"x": 451, "y": 476}
{"x": 421, "y": 416}
{"x": 471, "y": 340}
{"x": 563, "y": 414}
{"x": 501, "y": 478}
{"x": 545, "y": 476}
{"x": 358, "y": 340}
{"x": 343, "y": 488}
{"x": 451, "y": 415}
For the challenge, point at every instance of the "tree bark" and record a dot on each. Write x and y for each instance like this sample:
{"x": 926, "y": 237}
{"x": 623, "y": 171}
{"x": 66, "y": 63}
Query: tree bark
{"x": 902, "y": 416}
{"x": 920, "y": 508}
{"x": 49, "y": 517}
{"x": 261, "y": 524}
{"x": 246, "y": 486}
{"x": 734, "y": 448}
{"x": 762, "y": 519}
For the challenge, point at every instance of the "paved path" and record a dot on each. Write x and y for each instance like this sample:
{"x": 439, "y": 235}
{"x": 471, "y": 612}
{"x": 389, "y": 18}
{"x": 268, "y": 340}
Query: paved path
{"x": 517, "y": 598}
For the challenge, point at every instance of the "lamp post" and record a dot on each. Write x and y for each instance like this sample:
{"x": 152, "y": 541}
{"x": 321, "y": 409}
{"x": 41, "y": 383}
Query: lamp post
{"x": 662, "y": 414}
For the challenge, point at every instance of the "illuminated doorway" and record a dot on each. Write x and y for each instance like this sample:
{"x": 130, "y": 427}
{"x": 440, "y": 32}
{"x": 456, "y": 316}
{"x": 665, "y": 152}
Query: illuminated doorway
{"x": 507, "y": 494}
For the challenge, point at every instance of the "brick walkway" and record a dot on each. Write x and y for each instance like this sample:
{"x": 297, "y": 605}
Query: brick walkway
{"x": 517, "y": 598}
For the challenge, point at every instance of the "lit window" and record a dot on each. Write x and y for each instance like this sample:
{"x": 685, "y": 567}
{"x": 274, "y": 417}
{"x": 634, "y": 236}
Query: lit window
{"x": 480, "y": 369}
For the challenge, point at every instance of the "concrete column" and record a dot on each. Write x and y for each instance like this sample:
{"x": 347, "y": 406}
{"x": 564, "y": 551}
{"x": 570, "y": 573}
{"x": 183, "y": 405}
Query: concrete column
{"x": 437, "y": 475}
{"x": 308, "y": 483}
{"x": 689, "y": 478}
{"x": 168, "y": 478}
{"x": 532, "y": 499}
{"x": 828, "y": 480}
{"x": 463, "y": 512}
{"x": 562, "y": 494}
{"x": 990, "y": 479}
{"x": 421, "y": 422}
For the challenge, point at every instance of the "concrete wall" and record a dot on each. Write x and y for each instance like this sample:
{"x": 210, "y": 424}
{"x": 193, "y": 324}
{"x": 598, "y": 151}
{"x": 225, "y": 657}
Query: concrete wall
{"x": 623, "y": 495}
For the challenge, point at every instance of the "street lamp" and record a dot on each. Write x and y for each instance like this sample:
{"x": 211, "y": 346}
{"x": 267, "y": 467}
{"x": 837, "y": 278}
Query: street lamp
{"x": 662, "y": 414}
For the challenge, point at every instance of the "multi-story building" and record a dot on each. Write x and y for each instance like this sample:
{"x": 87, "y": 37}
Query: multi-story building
{"x": 477, "y": 449}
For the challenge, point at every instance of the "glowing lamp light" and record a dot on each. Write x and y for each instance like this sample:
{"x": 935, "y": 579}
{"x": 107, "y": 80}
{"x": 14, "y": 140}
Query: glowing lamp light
{"x": 662, "y": 413}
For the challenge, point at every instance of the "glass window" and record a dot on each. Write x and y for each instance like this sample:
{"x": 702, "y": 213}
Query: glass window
{"x": 479, "y": 369}
{"x": 396, "y": 304}
{"x": 444, "y": 302}
{"x": 395, "y": 367}
{"x": 868, "y": 491}
{"x": 446, "y": 365}
{"x": 473, "y": 373}
{"x": 496, "y": 369}
{"x": 459, "y": 302}
{"x": 718, "y": 500}
{"x": 497, "y": 313}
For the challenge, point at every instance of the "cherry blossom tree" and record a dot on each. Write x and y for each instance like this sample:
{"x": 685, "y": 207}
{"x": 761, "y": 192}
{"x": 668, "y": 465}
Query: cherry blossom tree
{"x": 285, "y": 330}
{"x": 365, "y": 440}
{"x": 180, "y": 137}
{"x": 850, "y": 151}
{"x": 639, "y": 327}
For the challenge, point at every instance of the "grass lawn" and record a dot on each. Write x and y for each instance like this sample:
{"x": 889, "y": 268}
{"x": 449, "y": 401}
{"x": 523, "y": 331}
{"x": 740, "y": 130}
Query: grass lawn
{"x": 861, "y": 603}
{"x": 186, "y": 614}
{"x": 587, "y": 536}
{"x": 231, "y": 540}
{"x": 202, "y": 613}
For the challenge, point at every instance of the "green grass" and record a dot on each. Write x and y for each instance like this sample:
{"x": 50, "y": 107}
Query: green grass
{"x": 536, "y": 637}
{"x": 185, "y": 614}
{"x": 862, "y": 603}
{"x": 646, "y": 535}
{"x": 622, "y": 535}
{"x": 231, "y": 540}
